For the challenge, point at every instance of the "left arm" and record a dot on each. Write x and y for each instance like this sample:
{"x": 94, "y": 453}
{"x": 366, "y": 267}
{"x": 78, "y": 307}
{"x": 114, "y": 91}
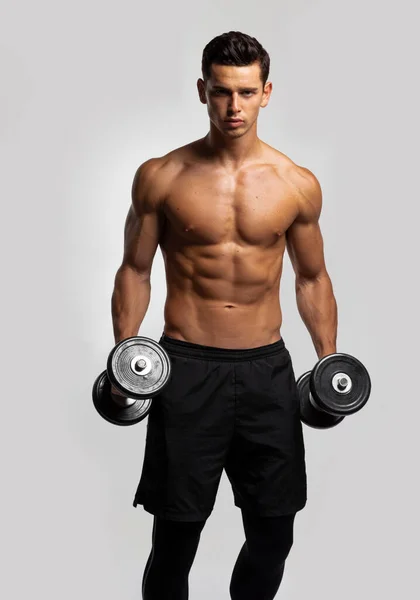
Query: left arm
{"x": 314, "y": 292}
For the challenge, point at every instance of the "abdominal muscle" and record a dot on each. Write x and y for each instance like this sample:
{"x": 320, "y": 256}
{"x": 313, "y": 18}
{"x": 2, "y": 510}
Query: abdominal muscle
{"x": 223, "y": 298}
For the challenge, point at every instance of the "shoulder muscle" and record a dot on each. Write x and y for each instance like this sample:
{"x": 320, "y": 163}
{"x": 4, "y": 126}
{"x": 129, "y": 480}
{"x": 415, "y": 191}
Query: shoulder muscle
{"x": 309, "y": 197}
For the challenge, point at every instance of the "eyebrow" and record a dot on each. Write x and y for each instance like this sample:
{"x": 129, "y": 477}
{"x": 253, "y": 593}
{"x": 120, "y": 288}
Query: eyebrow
{"x": 244, "y": 89}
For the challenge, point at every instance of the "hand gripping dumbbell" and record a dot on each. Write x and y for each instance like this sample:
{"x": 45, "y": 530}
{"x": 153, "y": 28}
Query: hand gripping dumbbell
{"x": 139, "y": 368}
{"x": 338, "y": 386}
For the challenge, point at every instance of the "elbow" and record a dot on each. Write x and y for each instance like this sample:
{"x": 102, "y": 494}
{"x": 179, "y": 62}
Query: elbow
{"x": 311, "y": 278}
{"x": 130, "y": 271}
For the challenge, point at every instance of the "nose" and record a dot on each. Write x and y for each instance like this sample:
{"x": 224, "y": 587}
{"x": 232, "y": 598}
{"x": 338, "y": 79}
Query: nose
{"x": 234, "y": 103}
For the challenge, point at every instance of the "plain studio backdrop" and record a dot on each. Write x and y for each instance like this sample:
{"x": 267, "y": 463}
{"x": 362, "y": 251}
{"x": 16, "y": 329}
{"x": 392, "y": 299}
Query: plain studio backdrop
{"x": 89, "y": 90}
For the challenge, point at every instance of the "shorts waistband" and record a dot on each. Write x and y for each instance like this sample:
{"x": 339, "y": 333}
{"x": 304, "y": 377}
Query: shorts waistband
{"x": 189, "y": 349}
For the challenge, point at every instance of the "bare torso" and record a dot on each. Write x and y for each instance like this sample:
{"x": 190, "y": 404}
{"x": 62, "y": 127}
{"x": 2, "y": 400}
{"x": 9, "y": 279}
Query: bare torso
{"x": 223, "y": 244}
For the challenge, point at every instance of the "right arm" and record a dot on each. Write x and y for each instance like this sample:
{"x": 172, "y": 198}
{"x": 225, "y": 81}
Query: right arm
{"x": 314, "y": 292}
{"x": 143, "y": 229}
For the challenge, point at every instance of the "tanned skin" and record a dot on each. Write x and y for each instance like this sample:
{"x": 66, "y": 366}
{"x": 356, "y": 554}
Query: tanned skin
{"x": 223, "y": 209}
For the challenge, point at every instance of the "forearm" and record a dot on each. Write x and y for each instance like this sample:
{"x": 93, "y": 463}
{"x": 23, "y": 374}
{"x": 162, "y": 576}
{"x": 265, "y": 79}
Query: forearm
{"x": 130, "y": 301}
{"x": 318, "y": 310}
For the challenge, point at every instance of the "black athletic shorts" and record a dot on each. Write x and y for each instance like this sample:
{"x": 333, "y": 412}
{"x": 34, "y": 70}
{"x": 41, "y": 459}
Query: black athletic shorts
{"x": 229, "y": 409}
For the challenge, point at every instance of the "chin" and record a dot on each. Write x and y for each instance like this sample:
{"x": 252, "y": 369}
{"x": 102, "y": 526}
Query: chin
{"x": 233, "y": 132}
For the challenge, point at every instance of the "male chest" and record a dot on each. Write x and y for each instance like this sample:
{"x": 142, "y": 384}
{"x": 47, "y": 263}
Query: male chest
{"x": 254, "y": 209}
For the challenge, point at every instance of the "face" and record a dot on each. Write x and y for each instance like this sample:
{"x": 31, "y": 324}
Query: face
{"x": 234, "y": 93}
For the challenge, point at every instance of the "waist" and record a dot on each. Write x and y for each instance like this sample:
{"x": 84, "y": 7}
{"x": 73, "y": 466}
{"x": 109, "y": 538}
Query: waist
{"x": 191, "y": 349}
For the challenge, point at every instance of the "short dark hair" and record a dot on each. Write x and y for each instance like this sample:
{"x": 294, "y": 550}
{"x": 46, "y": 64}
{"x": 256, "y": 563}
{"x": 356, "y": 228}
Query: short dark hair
{"x": 237, "y": 49}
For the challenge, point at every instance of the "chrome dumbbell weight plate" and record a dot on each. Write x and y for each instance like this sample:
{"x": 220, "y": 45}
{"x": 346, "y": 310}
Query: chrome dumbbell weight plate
{"x": 339, "y": 384}
{"x": 139, "y": 367}
{"x": 310, "y": 415}
{"x": 115, "y": 409}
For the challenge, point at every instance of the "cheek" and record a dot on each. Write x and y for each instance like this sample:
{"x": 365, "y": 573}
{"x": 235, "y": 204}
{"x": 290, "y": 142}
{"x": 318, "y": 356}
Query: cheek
{"x": 214, "y": 108}
{"x": 254, "y": 111}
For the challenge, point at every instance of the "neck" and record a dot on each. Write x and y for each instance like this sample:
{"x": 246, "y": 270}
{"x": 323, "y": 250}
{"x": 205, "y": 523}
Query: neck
{"x": 231, "y": 152}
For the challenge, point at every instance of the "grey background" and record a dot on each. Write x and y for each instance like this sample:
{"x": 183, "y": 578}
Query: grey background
{"x": 89, "y": 90}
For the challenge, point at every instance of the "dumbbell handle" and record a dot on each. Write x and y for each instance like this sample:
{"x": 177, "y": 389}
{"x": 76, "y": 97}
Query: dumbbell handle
{"x": 141, "y": 365}
{"x": 342, "y": 384}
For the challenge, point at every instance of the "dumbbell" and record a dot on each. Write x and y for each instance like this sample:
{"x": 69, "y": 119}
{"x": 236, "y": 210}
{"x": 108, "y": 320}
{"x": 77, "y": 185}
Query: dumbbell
{"x": 339, "y": 385}
{"x": 140, "y": 369}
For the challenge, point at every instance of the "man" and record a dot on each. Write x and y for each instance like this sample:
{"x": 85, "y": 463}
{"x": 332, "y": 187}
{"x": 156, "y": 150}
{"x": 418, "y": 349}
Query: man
{"x": 223, "y": 209}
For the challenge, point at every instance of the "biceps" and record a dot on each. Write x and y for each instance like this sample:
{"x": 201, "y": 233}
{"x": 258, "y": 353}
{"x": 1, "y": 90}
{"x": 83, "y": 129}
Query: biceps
{"x": 306, "y": 249}
{"x": 141, "y": 238}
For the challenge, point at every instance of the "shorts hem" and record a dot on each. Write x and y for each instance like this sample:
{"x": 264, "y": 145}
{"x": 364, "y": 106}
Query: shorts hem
{"x": 165, "y": 514}
{"x": 274, "y": 512}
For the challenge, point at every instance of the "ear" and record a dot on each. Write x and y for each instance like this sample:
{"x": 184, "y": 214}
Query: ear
{"x": 268, "y": 88}
{"x": 201, "y": 87}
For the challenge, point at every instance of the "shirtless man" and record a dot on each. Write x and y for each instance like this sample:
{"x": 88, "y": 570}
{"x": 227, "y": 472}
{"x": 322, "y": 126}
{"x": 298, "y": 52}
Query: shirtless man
{"x": 223, "y": 209}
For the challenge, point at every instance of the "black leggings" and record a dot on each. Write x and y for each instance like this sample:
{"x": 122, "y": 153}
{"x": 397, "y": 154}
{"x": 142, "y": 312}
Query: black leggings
{"x": 257, "y": 573}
